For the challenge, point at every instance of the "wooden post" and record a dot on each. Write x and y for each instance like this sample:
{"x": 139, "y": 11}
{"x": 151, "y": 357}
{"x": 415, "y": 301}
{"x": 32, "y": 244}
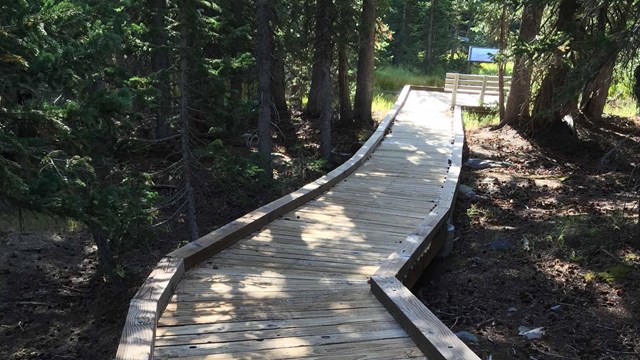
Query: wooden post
{"x": 456, "y": 81}
{"x": 484, "y": 88}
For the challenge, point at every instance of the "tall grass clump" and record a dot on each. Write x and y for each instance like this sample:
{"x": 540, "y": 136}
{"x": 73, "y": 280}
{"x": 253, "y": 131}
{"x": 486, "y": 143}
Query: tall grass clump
{"x": 490, "y": 69}
{"x": 475, "y": 120}
{"x": 393, "y": 79}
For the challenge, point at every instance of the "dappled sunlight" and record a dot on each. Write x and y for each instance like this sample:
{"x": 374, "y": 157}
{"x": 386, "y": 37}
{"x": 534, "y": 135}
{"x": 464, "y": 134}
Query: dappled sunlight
{"x": 298, "y": 287}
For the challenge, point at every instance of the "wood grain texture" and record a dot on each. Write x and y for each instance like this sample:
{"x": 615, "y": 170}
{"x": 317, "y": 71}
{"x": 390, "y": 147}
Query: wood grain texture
{"x": 138, "y": 335}
{"x": 432, "y": 336}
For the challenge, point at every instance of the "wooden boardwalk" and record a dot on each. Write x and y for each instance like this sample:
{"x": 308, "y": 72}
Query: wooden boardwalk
{"x": 299, "y": 284}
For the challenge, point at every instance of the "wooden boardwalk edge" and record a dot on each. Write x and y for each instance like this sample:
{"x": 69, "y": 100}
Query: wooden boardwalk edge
{"x": 403, "y": 267}
{"x": 138, "y": 336}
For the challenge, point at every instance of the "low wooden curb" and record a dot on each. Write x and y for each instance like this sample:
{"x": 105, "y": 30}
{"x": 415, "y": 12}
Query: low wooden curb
{"x": 138, "y": 336}
{"x": 403, "y": 267}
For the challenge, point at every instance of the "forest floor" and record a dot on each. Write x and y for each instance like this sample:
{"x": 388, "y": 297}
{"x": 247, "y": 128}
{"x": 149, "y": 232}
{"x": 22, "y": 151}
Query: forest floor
{"x": 549, "y": 240}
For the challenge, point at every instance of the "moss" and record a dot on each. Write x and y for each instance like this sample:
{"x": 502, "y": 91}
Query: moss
{"x": 578, "y": 259}
{"x": 615, "y": 273}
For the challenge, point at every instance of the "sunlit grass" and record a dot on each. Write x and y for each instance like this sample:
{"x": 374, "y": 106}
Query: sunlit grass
{"x": 490, "y": 69}
{"x": 622, "y": 108}
{"x": 395, "y": 78}
{"x": 383, "y": 102}
{"x": 33, "y": 222}
{"x": 475, "y": 120}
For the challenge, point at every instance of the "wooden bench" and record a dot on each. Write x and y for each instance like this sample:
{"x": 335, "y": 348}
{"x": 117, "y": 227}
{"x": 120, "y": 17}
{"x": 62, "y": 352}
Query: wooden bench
{"x": 474, "y": 84}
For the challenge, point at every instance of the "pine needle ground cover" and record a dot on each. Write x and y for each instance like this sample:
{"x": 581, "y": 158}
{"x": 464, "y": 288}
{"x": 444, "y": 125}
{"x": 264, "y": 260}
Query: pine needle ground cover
{"x": 550, "y": 239}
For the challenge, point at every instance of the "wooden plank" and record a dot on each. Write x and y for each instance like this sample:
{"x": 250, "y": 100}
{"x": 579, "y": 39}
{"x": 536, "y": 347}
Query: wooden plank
{"x": 388, "y": 349}
{"x": 320, "y": 297}
{"x": 242, "y": 308}
{"x": 138, "y": 335}
{"x": 213, "y": 317}
{"x": 278, "y": 343}
{"x": 339, "y": 318}
{"x": 259, "y": 335}
{"x": 430, "y": 334}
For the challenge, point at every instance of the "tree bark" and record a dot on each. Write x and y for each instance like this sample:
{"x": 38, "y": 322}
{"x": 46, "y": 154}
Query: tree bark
{"x": 160, "y": 66}
{"x": 553, "y": 100}
{"x": 236, "y": 85}
{"x": 596, "y": 92}
{"x": 278, "y": 83}
{"x": 400, "y": 38}
{"x": 186, "y": 9}
{"x": 321, "y": 56}
{"x": 366, "y": 59}
{"x": 503, "y": 45}
{"x": 429, "y": 52}
{"x": 263, "y": 61}
{"x": 346, "y": 111}
{"x": 519, "y": 97}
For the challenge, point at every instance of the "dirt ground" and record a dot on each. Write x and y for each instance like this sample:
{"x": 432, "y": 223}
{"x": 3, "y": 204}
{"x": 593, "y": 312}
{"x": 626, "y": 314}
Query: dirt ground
{"x": 550, "y": 240}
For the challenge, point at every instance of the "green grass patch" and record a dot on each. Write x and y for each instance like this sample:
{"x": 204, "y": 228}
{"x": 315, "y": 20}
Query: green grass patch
{"x": 393, "y": 79}
{"x": 615, "y": 273}
{"x": 36, "y": 222}
{"x": 475, "y": 120}
{"x": 383, "y": 102}
{"x": 490, "y": 69}
{"x": 623, "y": 108}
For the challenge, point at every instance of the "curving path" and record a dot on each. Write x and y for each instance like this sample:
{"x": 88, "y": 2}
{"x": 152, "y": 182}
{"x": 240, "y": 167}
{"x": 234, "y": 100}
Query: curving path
{"x": 300, "y": 285}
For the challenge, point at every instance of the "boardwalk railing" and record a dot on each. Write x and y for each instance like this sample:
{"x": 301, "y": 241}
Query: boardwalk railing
{"x": 474, "y": 84}
{"x": 403, "y": 267}
{"x": 389, "y": 283}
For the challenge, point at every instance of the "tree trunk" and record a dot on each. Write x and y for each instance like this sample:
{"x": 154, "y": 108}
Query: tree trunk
{"x": 278, "y": 84}
{"x": 503, "y": 45}
{"x": 346, "y": 111}
{"x": 520, "y": 93}
{"x": 237, "y": 78}
{"x": 160, "y": 66}
{"x": 554, "y": 99}
{"x": 186, "y": 10}
{"x": 429, "y": 52}
{"x": 321, "y": 56}
{"x": 263, "y": 62}
{"x": 400, "y": 38}
{"x": 104, "y": 250}
{"x": 596, "y": 92}
{"x": 320, "y": 96}
{"x": 366, "y": 59}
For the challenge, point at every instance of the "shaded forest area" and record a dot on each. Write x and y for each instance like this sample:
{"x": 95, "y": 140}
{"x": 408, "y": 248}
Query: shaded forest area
{"x": 128, "y": 128}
